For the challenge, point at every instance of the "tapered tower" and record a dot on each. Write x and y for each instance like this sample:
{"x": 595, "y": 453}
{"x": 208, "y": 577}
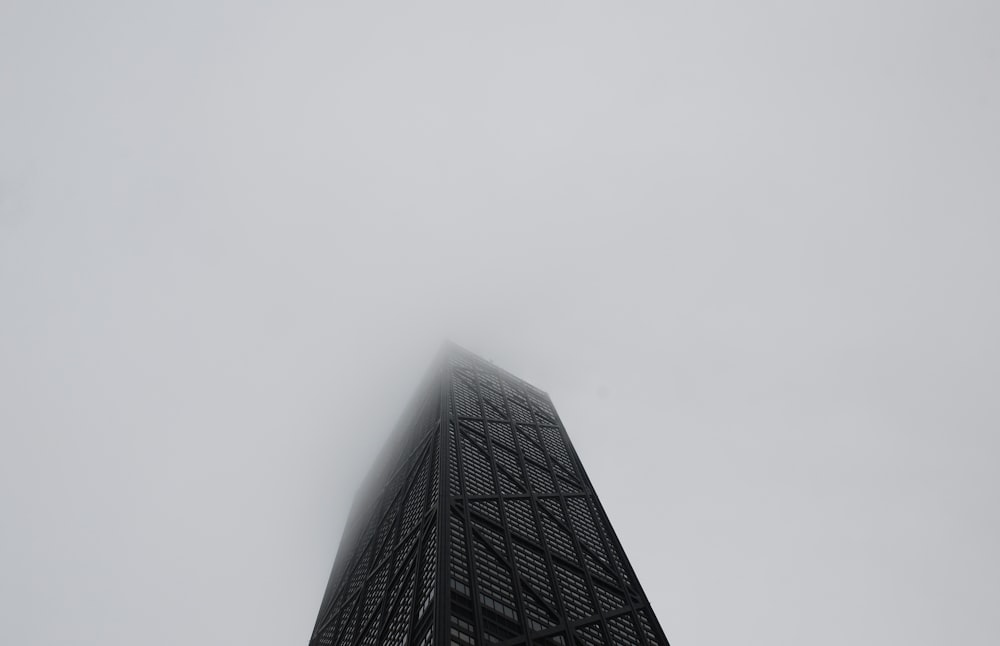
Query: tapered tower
{"x": 478, "y": 525}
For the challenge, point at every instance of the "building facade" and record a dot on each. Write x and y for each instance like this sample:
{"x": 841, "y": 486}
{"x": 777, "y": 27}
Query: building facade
{"x": 478, "y": 525}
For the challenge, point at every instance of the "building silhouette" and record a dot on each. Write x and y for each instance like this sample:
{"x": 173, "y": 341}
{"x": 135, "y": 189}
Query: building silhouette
{"x": 478, "y": 525}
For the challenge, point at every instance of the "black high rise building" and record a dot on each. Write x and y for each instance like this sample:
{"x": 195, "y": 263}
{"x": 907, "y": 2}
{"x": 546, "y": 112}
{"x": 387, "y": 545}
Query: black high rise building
{"x": 479, "y": 525}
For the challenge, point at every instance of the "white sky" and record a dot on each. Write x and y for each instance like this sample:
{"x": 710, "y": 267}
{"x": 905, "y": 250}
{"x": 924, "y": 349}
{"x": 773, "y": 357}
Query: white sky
{"x": 750, "y": 249}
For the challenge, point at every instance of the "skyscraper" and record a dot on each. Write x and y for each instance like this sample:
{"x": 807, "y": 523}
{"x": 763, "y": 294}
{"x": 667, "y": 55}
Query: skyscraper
{"x": 478, "y": 525}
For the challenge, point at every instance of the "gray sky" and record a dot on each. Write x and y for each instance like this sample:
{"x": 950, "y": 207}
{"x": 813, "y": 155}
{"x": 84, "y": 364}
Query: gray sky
{"x": 750, "y": 249}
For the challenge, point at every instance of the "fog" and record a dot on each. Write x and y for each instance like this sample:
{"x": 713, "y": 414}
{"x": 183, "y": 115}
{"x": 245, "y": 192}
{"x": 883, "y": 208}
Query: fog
{"x": 749, "y": 249}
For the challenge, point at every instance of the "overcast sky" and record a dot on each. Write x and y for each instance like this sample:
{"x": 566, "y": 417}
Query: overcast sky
{"x": 752, "y": 250}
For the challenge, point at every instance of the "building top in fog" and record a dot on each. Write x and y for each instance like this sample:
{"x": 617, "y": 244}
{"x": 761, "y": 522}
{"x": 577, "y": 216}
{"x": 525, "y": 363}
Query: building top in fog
{"x": 479, "y": 525}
